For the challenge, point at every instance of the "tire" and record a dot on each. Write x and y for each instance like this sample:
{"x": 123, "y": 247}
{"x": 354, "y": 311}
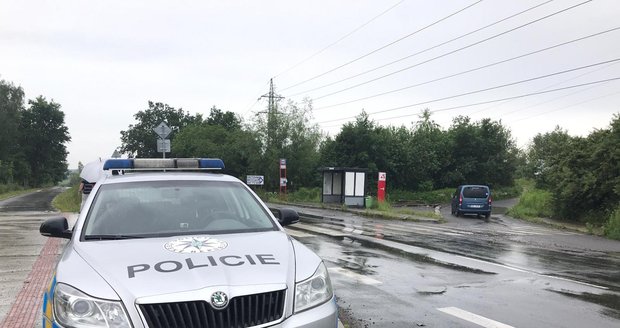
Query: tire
{"x": 487, "y": 216}
{"x": 458, "y": 213}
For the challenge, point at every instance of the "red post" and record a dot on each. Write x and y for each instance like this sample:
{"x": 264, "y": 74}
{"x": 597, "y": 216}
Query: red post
{"x": 381, "y": 187}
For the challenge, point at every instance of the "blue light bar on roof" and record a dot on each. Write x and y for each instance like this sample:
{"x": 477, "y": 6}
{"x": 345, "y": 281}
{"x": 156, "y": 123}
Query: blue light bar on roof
{"x": 118, "y": 164}
{"x": 165, "y": 164}
{"x": 211, "y": 163}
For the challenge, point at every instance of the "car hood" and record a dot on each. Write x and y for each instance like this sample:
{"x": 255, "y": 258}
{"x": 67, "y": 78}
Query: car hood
{"x": 138, "y": 268}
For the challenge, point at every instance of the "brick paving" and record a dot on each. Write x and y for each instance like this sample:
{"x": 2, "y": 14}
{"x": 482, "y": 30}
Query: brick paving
{"x": 26, "y": 309}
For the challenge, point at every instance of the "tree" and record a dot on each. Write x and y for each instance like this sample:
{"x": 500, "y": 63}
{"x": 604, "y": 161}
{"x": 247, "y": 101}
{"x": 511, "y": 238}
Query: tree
{"x": 481, "y": 153}
{"x": 42, "y": 140}
{"x": 429, "y": 153}
{"x": 227, "y": 120}
{"x": 11, "y": 105}
{"x": 286, "y": 132}
{"x": 221, "y": 135}
{"x": 139, "y": 140}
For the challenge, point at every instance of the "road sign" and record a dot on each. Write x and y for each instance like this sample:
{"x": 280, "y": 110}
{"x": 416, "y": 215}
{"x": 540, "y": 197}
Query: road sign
{"x": 162, "y": 130}
{"x": 257, "y": 180}
{"x": 382, "y": 176}
{"x": 116, "y": 154}
{"x": 283, "y": 182}
{"x": 163, "y": 145}
{"x": 282, "y": 163}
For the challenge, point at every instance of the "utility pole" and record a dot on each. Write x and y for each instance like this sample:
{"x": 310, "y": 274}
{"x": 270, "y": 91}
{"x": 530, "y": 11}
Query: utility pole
{"x": 272, "y": 121}
{"x": 272, "y": 111}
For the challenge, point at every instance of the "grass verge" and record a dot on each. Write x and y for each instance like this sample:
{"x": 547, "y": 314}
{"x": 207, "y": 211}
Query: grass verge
{"x": 68, "y": 201}
{"x": 612, "y": 227}
{"x": 534, "y": 203}
{"x": 8, "y": 191}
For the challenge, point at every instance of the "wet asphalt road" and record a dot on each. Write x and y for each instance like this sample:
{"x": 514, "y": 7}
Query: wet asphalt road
{"x": 408, "y": 274}
{"x": 497, "y": 273}
{"x": 20, "y": 241}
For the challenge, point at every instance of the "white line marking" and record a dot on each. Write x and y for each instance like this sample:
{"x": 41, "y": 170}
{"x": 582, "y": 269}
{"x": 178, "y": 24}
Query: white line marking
{"x": 356, "y": 276}
{"x": 473, "y": 318}
{"x": 533, "y": 272}
{"x": 297, "y": 234}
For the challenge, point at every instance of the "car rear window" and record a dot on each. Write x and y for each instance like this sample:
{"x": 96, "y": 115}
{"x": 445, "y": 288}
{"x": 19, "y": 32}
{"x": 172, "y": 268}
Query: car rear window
{"x": 475, "y": 192}
{"x": 166, "y": 208}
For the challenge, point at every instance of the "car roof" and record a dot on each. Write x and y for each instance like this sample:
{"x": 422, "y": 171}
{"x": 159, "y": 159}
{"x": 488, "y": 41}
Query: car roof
{"x": 167, "y": 176}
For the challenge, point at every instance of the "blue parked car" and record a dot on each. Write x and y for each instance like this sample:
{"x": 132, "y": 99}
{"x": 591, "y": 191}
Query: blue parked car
{"x": 472, "y": 199}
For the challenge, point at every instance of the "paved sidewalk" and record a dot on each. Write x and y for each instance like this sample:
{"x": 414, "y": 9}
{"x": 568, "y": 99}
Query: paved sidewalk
{"x": 26, "y": 309}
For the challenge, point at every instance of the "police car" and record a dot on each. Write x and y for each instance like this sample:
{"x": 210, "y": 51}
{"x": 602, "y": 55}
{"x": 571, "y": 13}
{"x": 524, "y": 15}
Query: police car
{"x": 166, "y": 244}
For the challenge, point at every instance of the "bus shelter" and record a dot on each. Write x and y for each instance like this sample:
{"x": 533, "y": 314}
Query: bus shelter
{"x": 344, "y": 185}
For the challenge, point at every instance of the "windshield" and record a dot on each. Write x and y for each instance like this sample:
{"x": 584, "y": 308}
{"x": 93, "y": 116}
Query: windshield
{"x": 166, "y": 208}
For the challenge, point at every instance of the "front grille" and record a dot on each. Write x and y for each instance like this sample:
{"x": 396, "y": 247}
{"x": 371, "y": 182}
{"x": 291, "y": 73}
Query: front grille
{"x": 242, "y": 311}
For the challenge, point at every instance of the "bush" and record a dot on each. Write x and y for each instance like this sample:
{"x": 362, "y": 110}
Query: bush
{"x": 440, "y": 196}
{"x": 612, "y": 227}
{"x": 533, "y": 203}
{"x": 306, "y": 195}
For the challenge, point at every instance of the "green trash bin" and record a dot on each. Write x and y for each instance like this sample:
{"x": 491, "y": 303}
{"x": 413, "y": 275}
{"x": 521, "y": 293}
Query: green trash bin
{"x": 368, "y": 202}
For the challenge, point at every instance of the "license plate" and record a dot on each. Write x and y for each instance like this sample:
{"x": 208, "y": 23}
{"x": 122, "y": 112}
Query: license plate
{"x": 475, "y": 206}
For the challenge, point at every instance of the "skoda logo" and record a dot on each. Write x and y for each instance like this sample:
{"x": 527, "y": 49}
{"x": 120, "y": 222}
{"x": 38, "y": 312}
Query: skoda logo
{"x": 195, "y": 245}
{"x": 219, "y": 300}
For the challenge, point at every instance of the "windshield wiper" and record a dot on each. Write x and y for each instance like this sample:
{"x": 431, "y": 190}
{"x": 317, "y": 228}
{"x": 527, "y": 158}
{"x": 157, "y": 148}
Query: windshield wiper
{"x": 111, "y": 237}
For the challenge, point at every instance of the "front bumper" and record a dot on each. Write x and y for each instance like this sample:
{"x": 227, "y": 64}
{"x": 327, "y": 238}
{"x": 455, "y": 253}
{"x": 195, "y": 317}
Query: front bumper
{"x": 322, "y": 316}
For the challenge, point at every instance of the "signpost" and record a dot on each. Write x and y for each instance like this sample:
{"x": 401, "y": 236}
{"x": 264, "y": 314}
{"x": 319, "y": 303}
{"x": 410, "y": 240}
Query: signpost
{"x": 381, "y": 187}
{"x": 255, "y": 180}
{"x": 283, "y": 180}
{"x": 163, "y": 144}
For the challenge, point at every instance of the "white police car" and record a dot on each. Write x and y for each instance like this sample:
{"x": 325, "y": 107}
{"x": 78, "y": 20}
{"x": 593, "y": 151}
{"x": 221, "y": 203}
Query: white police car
{"x": 183, "y": 248}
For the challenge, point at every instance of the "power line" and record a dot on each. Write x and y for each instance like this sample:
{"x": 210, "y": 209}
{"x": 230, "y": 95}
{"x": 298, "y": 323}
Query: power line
{"x": 339, "y": 40}
{"x": 252, "y": 104}
{"x": 453, "y": 51}
{"x": 559, "y": 97}
{"x": 383, "y": 47}
{"x": 468, "y": 71}
{"x": 425, "y": 50}
{"x": 562, "y": 108}
{"x": 483, "y": 90}
{"x": 497, "y": 100}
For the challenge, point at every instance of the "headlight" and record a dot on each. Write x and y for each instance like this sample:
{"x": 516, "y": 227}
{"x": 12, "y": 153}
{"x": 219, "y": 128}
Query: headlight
{"x": 313, "y": 291}
{"x": 76, "y": 309}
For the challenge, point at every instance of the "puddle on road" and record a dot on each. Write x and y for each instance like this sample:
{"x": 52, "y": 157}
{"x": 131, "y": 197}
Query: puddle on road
{"x": 610, "y": 302}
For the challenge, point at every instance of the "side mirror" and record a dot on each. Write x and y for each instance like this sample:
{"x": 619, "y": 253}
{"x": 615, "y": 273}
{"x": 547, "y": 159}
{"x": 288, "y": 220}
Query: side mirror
{"x": 56, "y": 227}
{"x": 286, "y": 216}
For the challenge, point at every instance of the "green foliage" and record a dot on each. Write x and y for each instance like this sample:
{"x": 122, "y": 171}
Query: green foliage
{"x": 582, "y": 173}
{"x": 433, "y": 197}
{"x": 32, "y": 147}
{"x": 612, "y": 227}
{"x": 43, "y": 139}
{"x": 305, "y": 195}
{"x": 139, "y": 140}
{"x": 287, "y": 132}
{"x": 533, "y": 203}
{"x": 10, "y": 190}
{"x": 236, "y": 147}
{"x": 69, "y": 200}
{"x": 426, "y": 157}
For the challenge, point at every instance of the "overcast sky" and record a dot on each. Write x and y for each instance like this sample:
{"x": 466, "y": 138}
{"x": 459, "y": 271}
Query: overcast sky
{"x": 103, "y": 60}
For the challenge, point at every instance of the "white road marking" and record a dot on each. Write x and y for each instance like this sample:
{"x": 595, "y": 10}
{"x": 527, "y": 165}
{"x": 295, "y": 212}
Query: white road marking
{"x": 297, "y": 234}
{"x": 329, "y": 232}
{"x": 355, "y": 276}
{"x": 473, "y": 318}
{"x": 514, "y": 268}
